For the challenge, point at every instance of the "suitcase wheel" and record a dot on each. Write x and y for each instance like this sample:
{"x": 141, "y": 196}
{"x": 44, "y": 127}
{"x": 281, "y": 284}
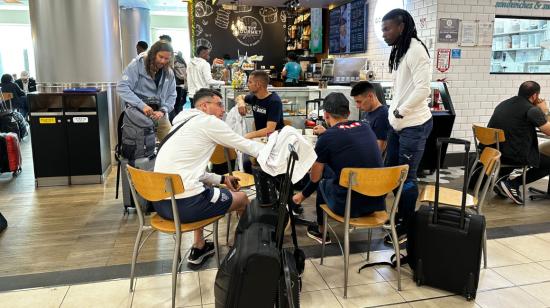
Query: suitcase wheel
{"x": 469, "y": 297}
{"x": 17, "y": 172}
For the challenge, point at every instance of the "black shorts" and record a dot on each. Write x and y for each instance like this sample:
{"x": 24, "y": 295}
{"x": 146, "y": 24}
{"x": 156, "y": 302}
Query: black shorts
{"x": 210, "y": 203}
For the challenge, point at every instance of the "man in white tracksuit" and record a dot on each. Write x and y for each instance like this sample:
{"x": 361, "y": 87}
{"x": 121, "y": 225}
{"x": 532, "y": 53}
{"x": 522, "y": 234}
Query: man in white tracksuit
{"x": 409, "y": 115}
{"x": 187, "y": 153}
{"x": 199, "y": 73}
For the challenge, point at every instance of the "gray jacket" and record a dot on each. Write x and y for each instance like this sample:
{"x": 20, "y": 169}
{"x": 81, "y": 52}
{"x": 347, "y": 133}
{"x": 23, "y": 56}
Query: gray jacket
{"x": 137, "y": 83}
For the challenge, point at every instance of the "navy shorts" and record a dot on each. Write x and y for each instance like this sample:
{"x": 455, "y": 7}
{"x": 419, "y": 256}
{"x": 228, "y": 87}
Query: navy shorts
{"x": 210, "y": 203}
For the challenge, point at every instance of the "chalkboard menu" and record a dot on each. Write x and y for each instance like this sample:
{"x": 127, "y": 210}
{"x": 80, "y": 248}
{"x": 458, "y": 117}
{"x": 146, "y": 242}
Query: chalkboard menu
{"x": 347, "y": 28}
{"x": 261, "y": 32}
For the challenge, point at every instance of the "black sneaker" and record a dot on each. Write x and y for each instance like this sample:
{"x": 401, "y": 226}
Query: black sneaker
{"x": 402, "y": 238}
{"x": 498, "y": 191}
{"x": 198, "y": 256}
{"x": 313, "y": 232}
{"x": 511, "y": 191}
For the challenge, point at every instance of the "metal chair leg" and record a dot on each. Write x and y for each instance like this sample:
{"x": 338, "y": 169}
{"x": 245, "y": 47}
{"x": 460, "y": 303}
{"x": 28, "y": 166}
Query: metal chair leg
{"x": 346, "y": 261}
{"x": 523, "y": 181}
{"x": 324, "y": 236}
{"x": 485, "y": 249}
{"x": 134, "y": 258}
{"x": 228, "y": 215}
{"x": 368, "y": 243}
{"x": 396, "y": 248}
{"x": 216, "y": 244}
{"x": 175, "y": 268}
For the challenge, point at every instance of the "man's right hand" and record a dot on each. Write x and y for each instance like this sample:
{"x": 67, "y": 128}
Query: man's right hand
{"x": 319, "y": 130}
{"x": 148, "y": 111}
{"x": 241, "y": 105}
{"x": 298, "y": 198}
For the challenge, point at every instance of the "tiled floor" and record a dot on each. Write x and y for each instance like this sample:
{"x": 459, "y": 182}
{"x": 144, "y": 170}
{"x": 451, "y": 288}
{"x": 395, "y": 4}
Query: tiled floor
{"x": 518, "y": 276}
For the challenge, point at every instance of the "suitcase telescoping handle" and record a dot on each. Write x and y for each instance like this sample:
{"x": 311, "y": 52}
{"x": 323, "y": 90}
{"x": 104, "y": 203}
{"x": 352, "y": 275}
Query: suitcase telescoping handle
{"x": 466, "y": 143}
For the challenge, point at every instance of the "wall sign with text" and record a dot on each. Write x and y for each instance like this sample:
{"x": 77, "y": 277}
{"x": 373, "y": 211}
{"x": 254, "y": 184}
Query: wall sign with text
{"x": 448, "y": 30}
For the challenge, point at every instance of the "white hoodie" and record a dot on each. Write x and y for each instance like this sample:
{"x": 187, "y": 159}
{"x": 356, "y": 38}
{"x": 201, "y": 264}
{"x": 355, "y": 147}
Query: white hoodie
{"x": 188, "y": 151}
{"x": 199, "y": 76}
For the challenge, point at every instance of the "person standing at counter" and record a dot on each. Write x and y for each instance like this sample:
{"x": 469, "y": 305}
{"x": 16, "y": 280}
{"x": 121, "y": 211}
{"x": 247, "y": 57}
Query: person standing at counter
{"x": 199, "y": 73}
{"x": 375, "y": 113}
{"x": 409, "y": 115}
{"x": 147, "y": 79}
{"x": 267, "y": 107}
{"x": 292, "y": 71}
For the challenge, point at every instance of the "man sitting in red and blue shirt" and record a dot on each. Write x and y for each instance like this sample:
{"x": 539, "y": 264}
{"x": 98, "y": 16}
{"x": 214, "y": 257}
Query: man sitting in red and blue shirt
{"x": 344, "y": 144}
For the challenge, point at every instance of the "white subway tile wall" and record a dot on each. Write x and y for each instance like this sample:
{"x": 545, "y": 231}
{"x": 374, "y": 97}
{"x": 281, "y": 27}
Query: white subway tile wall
{"x": 474, "y": 91}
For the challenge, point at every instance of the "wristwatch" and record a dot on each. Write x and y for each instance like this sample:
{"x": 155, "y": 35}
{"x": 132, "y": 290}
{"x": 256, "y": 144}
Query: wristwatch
{"x": 396, "y": 114}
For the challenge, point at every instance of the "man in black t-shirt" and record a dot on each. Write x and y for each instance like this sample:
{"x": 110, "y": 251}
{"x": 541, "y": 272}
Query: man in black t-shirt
{"x": 375, "y": 113}
{"x": 345, "y": 144}
{"x": 267, "y": 107}
{"x": 519, "y": 117}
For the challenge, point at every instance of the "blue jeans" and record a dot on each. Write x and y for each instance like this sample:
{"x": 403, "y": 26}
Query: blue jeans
{"x": 407, "y": 147}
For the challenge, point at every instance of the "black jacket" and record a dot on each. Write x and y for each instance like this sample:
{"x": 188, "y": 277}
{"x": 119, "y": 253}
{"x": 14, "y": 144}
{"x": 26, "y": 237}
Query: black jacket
{"x": 13, "y": 88}
{"x": 32, "y": 84}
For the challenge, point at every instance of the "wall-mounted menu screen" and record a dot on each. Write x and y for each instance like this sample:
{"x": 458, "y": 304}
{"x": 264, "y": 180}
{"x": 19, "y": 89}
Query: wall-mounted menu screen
{"x": 348, "y": 28}
{"x": 521, "y": 45}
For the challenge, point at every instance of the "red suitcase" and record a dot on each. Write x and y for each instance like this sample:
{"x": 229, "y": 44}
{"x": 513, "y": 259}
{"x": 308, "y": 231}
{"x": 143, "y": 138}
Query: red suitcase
{"x": 10, "y": 153}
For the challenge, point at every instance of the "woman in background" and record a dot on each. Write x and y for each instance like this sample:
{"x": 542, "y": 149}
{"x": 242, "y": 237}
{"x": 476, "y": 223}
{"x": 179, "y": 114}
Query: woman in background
{"x": 292, "y": 71}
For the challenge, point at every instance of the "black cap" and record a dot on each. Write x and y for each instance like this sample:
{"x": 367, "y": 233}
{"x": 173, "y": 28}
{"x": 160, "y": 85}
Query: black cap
{"x": 336, "y": 104}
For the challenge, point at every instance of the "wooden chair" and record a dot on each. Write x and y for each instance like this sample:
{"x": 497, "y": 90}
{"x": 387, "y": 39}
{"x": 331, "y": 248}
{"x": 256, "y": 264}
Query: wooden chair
{"x": 490, "y": 161}
{"x": 494, "y": 136}
{"x": 372, "y": 182}
{"x": 154, "y": 186}
{"x": 223, "y": 155}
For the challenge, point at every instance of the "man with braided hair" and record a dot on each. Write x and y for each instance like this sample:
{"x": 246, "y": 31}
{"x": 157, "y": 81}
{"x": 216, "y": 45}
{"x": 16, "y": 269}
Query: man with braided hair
{"x": 409, "y": 115}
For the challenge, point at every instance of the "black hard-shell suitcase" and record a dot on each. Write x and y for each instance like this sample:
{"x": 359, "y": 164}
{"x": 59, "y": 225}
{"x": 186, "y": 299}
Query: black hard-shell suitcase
{"x": 249, "y": 274}
{"x": 445, "y": 243}
{"x": 251, "y": 277}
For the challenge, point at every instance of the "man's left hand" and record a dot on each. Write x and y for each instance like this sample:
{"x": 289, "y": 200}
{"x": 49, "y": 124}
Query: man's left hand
{"x": 157, "y": 115}
{"x": 543, "y": 106}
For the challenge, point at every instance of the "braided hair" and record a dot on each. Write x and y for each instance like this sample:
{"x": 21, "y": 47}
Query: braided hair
{"x": 403, "y": 43}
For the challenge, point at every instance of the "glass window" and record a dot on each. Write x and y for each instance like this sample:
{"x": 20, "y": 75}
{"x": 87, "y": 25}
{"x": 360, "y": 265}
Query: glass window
{"x": 18, "y": 55}
{"x": 521, "y": 45}
{"x": 180, "y": 40}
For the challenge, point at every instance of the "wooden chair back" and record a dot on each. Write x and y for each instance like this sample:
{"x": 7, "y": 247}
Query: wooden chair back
{"x": 488, "y": 136}
{"x": 488, "y": 158}
{"x": 6, "y": 96}
{"x": 152, "y": 186}
{"x": 373, "y": 181}
{"x": 221, "y": 155}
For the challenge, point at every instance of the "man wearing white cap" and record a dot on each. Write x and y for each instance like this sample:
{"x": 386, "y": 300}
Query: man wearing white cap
{"x": 26, "y": 83}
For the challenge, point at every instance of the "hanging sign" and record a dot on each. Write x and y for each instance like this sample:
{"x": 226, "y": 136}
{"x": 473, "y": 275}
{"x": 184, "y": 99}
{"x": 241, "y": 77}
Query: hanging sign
{"x": 443, "y": 59}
